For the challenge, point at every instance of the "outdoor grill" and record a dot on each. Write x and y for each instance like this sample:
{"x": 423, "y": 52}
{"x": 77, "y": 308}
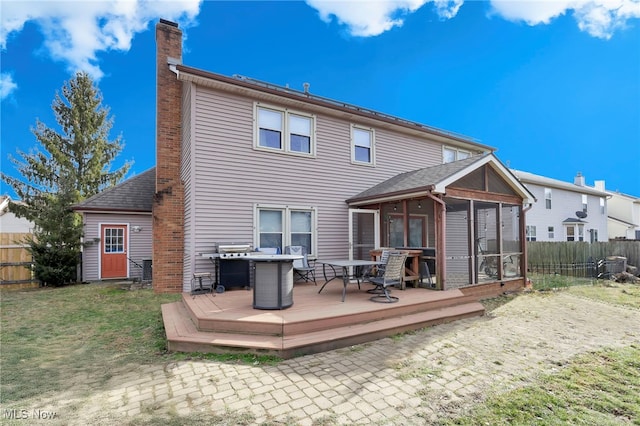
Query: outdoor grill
{"x": 231, "y": 272}
{"x": 233, "y": 250}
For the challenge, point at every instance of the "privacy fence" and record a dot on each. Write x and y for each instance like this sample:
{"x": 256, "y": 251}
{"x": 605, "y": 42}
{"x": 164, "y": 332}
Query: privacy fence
{"x": 573, "y": 262}
{"x": 15, "y": 262}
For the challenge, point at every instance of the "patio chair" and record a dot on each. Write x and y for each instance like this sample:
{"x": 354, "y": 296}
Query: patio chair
{"x": 393, "y": 275}
{"x": 378, "y": 270}
{"x": 301, "y": 267}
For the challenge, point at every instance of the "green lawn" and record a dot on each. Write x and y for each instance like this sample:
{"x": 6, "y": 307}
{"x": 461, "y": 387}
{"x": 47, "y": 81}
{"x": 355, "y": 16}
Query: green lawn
{"x": 54, "y": 339}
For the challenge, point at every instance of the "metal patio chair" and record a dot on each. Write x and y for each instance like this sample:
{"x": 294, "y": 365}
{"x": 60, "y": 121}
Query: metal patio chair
{"x": 301, "y": 267}
{"x": 393, "y": 275}
{"x": 378, "y": 270}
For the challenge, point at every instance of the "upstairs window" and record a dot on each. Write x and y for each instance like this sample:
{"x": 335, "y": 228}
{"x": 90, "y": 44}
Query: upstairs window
{"x": 362, "y": 145}
{"x": 450, "y": 154}
{"x": 285, "y": 131}
{"x": 584, "y": 203}
{"x": 547, "y": 198}
{"x": 601, "y": 205}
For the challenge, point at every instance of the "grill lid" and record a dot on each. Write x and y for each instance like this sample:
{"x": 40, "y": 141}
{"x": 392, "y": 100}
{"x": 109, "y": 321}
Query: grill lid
{"x": 234, "y": 247}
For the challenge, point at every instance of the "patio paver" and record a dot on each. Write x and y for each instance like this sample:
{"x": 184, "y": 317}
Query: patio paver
{"x": 396, "y": 381}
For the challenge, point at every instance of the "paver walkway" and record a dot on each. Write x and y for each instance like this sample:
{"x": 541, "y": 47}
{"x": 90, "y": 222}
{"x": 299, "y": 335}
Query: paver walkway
{"x": 411, "y": 379}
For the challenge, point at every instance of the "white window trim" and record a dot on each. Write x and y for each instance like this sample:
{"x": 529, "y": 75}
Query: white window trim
{"x": 287, "y": 209}
{"x": 531, "y": 233}
{"x": 286, "y": 142}
{"x": 373, "y": 145}
{"x": 578, "y": 232}
{"x": 457, "y": 152}
{"x": 550, "y": 198}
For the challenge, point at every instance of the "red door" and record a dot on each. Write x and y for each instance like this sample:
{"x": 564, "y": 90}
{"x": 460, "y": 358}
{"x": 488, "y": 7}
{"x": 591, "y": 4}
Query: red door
{"x": 113, "y": 251}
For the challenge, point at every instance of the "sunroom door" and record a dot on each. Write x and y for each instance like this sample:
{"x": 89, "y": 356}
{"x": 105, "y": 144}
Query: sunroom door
{"x": 364, "y": 233}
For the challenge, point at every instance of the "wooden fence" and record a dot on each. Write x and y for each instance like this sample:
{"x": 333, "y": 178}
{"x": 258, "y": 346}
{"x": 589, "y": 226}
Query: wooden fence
{"x": 15, "y": 262}
{"x": 566, "y": 253}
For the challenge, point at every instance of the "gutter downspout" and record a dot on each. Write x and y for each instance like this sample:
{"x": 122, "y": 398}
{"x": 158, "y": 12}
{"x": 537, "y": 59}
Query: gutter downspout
{"x": 173, "y": 62}
{"x": 440, "y": 241}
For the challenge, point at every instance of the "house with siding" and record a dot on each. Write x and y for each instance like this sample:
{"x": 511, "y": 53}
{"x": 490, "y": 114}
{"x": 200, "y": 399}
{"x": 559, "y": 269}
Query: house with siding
{"x": 117, "y": 230}
{"x": 239, "y": 160}
{"x": 565, "y": 211}
{"x": 624, "y": 216}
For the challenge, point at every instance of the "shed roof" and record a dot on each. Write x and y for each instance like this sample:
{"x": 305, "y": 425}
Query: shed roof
{"x": 133, "y": 195}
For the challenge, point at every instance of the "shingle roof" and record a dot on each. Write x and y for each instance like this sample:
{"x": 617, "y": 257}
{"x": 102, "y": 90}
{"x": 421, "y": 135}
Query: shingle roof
{"x": 417, "y": 180}
{"x": 527, "y": 177}
{"x": 133, "y": 195}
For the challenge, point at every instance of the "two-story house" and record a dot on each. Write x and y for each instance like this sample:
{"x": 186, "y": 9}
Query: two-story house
{"x": 246, "y": 161}
{"x": 565, "y": 211}
{"x": 624, "y": 216}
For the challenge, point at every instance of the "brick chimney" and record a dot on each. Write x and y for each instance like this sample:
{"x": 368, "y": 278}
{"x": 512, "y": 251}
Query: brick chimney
{"x": 168, "y": 205}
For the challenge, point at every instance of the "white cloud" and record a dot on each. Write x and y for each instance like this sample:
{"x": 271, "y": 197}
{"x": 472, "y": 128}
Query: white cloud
{"x": 75, "y": 31}
{"x": 367, "y": 18}
{"x": 599, "y": 18}
{"x": 7, "y": 85}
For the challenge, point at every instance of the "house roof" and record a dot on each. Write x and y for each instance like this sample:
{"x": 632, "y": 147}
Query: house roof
{"x": 623, "y": 222}
{"x": 573, "y": 220}
{"x": 554, "y": 183}
{"x": 244, "y": 85}
{"x": 435, "y": 179}
{"x": 133, "y": 195}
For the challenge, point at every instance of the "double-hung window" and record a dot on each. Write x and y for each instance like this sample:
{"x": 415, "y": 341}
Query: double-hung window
{"x": 281, "y": 226}
{"x": 547, "y": 198}
{"x": 362, "y": 145}
{"x": 551, "y": 233}
{"x": 601, "y": 205}
{"x": 584, "y": 203}
{"x": 449, "y": 154}
{"x": 284, "y": 130}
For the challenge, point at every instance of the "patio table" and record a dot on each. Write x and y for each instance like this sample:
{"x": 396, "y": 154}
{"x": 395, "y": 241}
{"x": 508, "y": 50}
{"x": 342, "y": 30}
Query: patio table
{"x": 345, "y": 265}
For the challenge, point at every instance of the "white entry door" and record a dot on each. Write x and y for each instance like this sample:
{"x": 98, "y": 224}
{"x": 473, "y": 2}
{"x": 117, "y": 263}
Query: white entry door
{"x": 364, "y": 233}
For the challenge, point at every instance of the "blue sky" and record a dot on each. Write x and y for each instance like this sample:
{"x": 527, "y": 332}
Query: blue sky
{"x": 553, "y": 85}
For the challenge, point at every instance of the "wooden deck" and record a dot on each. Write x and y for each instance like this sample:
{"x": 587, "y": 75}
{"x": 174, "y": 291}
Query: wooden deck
{"x": 227, "y": 322}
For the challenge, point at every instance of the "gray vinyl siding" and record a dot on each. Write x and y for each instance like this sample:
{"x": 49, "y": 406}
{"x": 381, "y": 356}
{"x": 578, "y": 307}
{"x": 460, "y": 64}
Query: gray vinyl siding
{"x": 140, "y": 243}
{"x": 186, "y": 172}
{"x": 229, "y": 176}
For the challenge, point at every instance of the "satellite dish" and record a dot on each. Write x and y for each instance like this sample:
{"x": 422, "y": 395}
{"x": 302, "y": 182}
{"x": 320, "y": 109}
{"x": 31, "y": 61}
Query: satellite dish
{"x": 581, "y": 214}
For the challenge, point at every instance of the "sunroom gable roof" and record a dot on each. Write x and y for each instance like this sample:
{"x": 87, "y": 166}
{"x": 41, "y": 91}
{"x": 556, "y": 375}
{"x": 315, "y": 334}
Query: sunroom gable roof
{"x": 435, "y": 180}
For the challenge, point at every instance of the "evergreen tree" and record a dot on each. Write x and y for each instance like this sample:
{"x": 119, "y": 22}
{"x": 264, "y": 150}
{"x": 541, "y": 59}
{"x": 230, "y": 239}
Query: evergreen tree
{"x": 70, "y": 167}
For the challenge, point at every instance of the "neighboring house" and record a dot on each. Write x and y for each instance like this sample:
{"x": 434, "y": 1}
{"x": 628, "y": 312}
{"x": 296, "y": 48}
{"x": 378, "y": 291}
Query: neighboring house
{"x": 245, "y": 161}
{"x": 117, "y": 228}
{"x": 624, "y": 216}
{"x": 9, "y": 222}
{"x": 565, "y": 211}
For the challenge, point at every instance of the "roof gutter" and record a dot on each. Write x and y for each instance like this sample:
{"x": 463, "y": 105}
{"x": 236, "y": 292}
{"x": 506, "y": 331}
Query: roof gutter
{"x": 394, "y": 196}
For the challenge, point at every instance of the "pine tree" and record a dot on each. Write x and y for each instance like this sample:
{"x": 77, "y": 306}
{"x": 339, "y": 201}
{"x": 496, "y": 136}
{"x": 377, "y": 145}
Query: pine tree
{"x": 70, "y": 167}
